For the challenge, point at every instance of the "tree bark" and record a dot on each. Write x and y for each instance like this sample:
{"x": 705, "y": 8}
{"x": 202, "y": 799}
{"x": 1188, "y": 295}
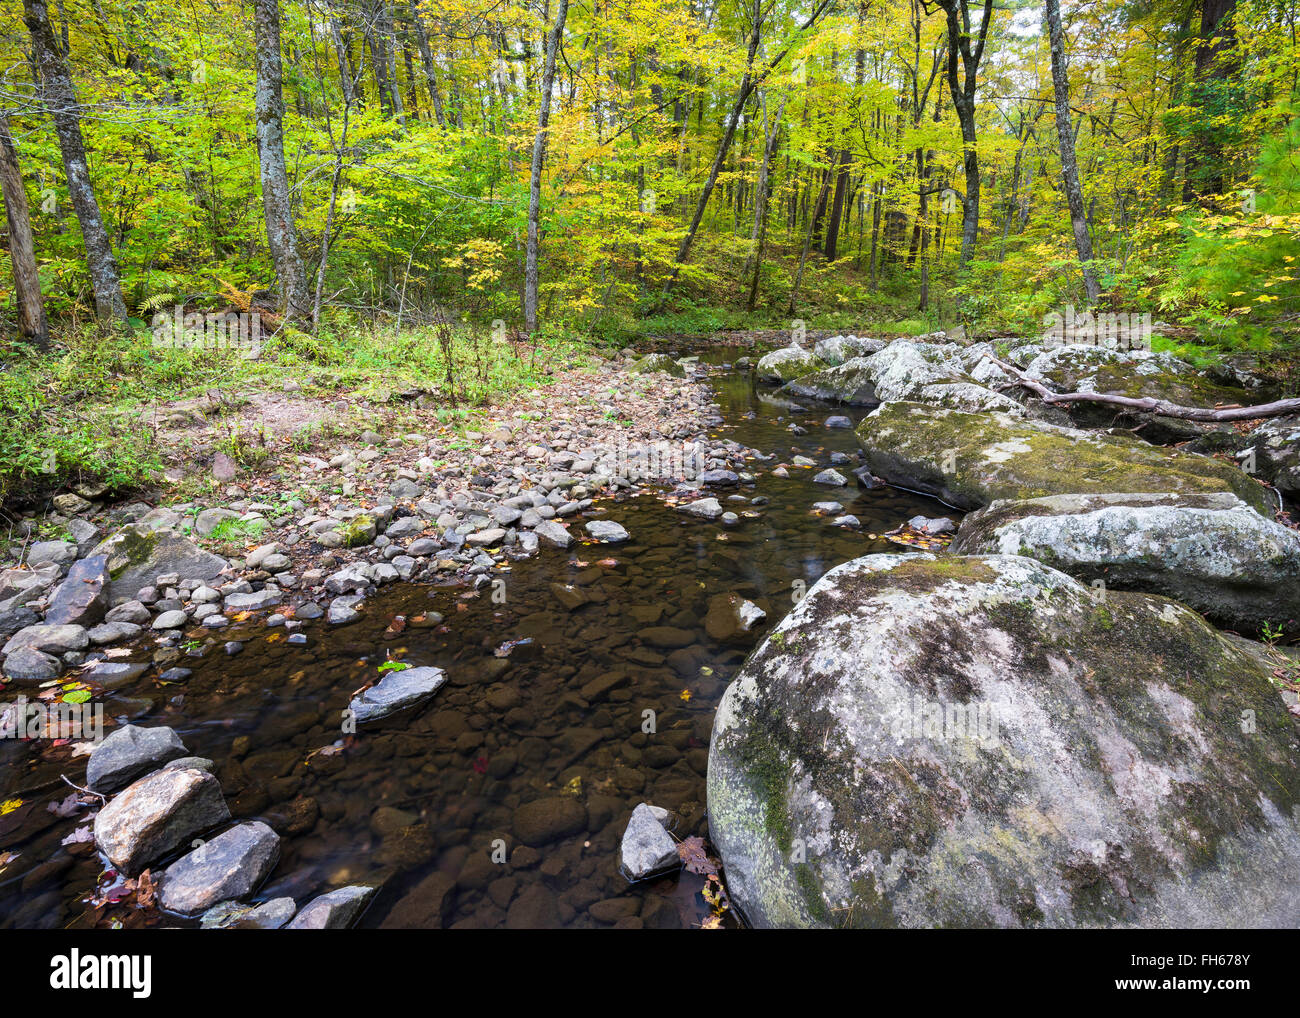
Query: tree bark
{"x": 426, "y": 57}
{"x": 32, "y": 325}
{"x": 535, "y": 178}
{"x": 1069, "y": 166}
{"x": 281, "y": 235}
{"x": 61, "y": 100}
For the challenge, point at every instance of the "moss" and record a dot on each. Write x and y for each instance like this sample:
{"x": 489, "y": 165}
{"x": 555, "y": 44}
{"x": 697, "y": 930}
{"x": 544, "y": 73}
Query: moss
{"x": 131, "y": 547}
{"x": 357, "y": 531}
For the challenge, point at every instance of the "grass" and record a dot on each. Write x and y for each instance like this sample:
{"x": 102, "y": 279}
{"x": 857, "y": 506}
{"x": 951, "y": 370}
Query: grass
{"x": 76, "y": 413}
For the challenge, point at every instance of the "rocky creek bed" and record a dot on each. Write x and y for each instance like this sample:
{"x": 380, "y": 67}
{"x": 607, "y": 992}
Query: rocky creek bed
{"x": 442, "y": 696}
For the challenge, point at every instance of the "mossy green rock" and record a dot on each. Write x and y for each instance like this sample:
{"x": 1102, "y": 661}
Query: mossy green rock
{"x": 972, "y": 459}
{"x": 1212, "y": 552}
{"x": 138, "y": 555}
{"x": 659, "y": 362}
{"x": 787, "y": 363}
{"x": 974, "y": 741}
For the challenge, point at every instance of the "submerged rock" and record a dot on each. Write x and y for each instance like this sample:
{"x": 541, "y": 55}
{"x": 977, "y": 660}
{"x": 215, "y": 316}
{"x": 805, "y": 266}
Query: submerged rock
{"x": 969, "y": 460}
{"x": 647, "y": 850}
{"x": 977, "y": 741}
{"x": 1212, "y": 552}
{"x": 396, "y": 691}
{"x": 731, "y": 617}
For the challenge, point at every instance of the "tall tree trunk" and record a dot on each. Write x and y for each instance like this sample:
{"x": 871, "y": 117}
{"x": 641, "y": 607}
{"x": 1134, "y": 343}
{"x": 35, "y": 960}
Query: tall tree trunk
{"x": 535, "y": 178}
{"x": 281, "y": 236}
{"x": 1069, "y": 167}
{"x": 32, "y": 325}
{"x": 426, "y": 57}
{"x": 61, "y": 100}
{"x": 807, "y": 243}
{"x": 837, "y": 206}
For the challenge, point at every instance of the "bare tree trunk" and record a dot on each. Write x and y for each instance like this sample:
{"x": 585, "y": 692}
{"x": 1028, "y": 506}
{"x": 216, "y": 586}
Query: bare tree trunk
{"x": 1069, "y": 166}
{"x": 807, "y": 243}
{"x": 32, "y": 325}
{"x": 281, "y": 236}
{"x": 61, "y": 100}
{"x": 770, "y": 135}
{"x": 535, "y": 179}
{"x": 385, "y": 30}
{"x": 426, "y": 57}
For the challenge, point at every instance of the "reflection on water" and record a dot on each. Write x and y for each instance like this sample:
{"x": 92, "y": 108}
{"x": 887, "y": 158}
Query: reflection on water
{"x": 604, "y": 705}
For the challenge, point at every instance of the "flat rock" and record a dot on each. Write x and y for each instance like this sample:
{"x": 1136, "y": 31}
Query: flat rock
{"x": 137, "y": 556}
{"x": 396, "y": 691}
{"x": 49, "y": 639}
{"x": 82, "y": 598}
{"x": 607, "y": 531}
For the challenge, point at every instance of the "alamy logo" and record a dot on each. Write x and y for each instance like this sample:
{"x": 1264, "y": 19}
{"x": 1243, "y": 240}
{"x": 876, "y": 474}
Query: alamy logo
{"x": 37, "y": 720}
{"x": 131, "y": 972}
{"x": 946, "y": 722}
{"x": 1112, "y": 330}
{"x": 221, "y": 330}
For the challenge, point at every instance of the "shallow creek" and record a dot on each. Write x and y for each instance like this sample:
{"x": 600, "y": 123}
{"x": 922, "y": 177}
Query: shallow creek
{"x": 504, "y": 730}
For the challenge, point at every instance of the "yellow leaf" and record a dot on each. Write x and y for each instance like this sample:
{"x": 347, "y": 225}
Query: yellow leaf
{"x": 9, "y": 805}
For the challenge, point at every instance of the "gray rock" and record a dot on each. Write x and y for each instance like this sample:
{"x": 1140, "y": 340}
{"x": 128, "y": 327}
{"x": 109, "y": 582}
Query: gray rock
{"x": 270, "y": 915}
{"x": 257, "y": 600}
{"x": 704, "y": 508}
{"x": 396, "y": 691}
{"x": 137, "y": 556}
{"x": 607, "y": 531}
{"x": 838, "y": 421}
{"x": 1212, "y": 552}
{"x": 336, "y": 910}
{"x": 719, "y": 478}
{"x": 129, "y": 611}
{"x": 933, "y": 527}
{"x": 58, "y": 552}
{"x": 210, "y": 519}
{"x": 129, "y": 753}
{"x": 657, "y": 362}
{"x": 647, "y": 850}
{"x": 27, "y": 664}
{"x": 159, "y": 813}
{"x": 343, "y": 610}
{"x": 81, "y": 599}
{"x": 977, "y": 741}
{"x": 113, "y": 632}
{"x": 787, "y": 363}
{"x": 832, "y": 477}
{"x": 173, "y": 619}
{"x": 838, "y": 349}
{"x": 969, "y": 460}
{"x": 231, "y": 865}
{"x": 553, "y": 533}
{"x": 48, "y": 639}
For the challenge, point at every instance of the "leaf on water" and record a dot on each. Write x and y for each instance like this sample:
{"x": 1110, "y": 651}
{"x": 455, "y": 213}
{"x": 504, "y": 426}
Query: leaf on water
{"x": 911, "y": 537}
{"x": 81, "y": 836}
{"x": 694, "y": 856}
{"x": 9, "y": 805}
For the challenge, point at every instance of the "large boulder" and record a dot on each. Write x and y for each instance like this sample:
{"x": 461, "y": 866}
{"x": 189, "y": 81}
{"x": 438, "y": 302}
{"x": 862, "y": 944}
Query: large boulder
{"x": 82, "y": 598}
{"x": 158, "y": 814}
{"x": 787, "y": 363}
{"x": 978, "y": 742}
{"x": 924, "y": 372}
{"x": 838, "y": 349}
{"x": 137, "y": 556}
{"x": 970, "y": 460}
{"x": 1212, "y": 552}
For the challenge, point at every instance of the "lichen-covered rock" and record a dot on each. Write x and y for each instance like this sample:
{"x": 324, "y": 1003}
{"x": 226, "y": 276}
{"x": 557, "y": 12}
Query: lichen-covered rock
{"x": 137, "y": 556}
{"x": 970, "y": 460}
{"x": 658, "y": 362}
{"x": 924, "y": 372}
{"x": 838, "y": 349}
{"x": 1212, "y": 552}
{"x": 1271, "y": 452}
{"x": 787, "y": 363}
{"x": 977, "y": 741}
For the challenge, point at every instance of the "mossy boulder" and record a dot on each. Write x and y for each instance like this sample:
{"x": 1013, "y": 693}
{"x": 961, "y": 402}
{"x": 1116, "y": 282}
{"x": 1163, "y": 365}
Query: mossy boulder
{"x": 1271, "y": 452}
{"x": 1212, "y": 552}
{"x": 978, "y": 742}
{"x": 787, "y": 363}
{"x": 138, "y": 555}
{"x": 838, "y": 349}
{"x": 972, "y": 459}
{"x": 657, "y": 362}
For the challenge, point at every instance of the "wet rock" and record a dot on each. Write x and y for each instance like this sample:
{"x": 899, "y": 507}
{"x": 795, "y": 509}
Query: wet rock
{"x": 719, "y": 478}
{"x": 704, "y": 508}
{"x": 137, "y": 556}
{"x": 647, "y": 850}
{"x": 969, "y": 460}
{"x": 543, "y": 821}
{"x": 787, "y": 363}
{"x": 336, "y": 910}
{"x": 933, "y": 527}
{"x": 82, "y": 598}
{"x": 428, "y": 905}
{"x": 343, "y": 610}
{"x": 553, "y": 533}
{"x": 49, "y": 639}
{"x": 534, "y": 909}
{"x": 731, "y": 617}
{"x": 607, "y": 531}
{"x": 158, "y": 814}
{"x": 231, "y": 865}
{"x": 1212, "y": 552}
{"x": 996, "y": 748}
{"x": 270, "y": 915}
{"x": 27, "y": 664}
{"x": 832, "y": 477}
{"x": 396, "y": 691}
{"x": 130, "y": 752}
{"x": 837, "y": 421}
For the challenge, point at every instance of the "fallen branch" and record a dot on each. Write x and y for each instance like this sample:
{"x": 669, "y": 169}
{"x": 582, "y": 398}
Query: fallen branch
{"x": 1150, "y": 405}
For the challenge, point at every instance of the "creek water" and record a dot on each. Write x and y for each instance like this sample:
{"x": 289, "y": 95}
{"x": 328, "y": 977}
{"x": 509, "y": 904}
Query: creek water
{"x": 562, "y": 715}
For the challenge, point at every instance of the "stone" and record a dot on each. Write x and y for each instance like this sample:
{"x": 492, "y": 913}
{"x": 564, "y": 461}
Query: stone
{"x": 270, "y": 915}
{"x": 70, "y": 504}
{"x": 970, "y": 460}
{"x": 787, "y": 363}
{"x": 138, "y": 556}
{"x": 255, "y": 600}
{"x": 832, "y": 477}
{"x": 224, "y": 468}
{"x": 129, "y": 611}
{"x": 1212, "y": 552}
{"x": 704, "y": 508}
{"x": 553, "y": 533}
{"x": 113, "y": 632}
{"x": 933, "y": 527}
{"x": 231, "y": 865}
{"x": 396, "y": 691}
{"x": 837, "y": 421}
{"x": 647, "y": 850}
{"x": 976, "y": 741}
{"x": 82, "y": 598}
{"x": 173, "y": 619}
{"x": 48, "y": 639}
{"x": 206, "y": 522}
{"x": 838, "y": 349}
{"x": 607, "y": 531}
{"x": 427, "y": 905}
{"x": 719, "y": 478}
{"x": 731, "y": 617}
{"x": 59, "y": 553}
{"x": 549, "y": 819}
{"x": 534, "y": 909}
{"x": 156, "y": 815}
{"x": 27, "y": 664}
{"x": 336, "y": 910}
{"x": 129, "y": 753}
